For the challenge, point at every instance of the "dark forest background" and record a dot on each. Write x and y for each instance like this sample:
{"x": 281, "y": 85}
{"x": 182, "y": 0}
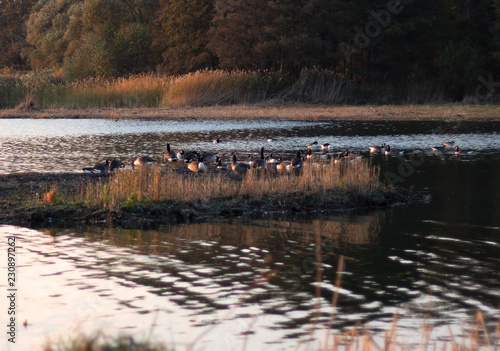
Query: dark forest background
{"x": 448, "y": 47}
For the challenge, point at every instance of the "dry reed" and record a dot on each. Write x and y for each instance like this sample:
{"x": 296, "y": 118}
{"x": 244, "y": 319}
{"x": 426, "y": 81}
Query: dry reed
{"x": 215, "y": 87}
{"x": 48, "y": 89}
{"x": 154, "y": 184}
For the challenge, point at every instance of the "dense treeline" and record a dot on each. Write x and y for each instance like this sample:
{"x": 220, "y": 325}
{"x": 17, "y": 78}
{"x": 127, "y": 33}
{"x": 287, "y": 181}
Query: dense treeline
{"x": 446, "y": 48}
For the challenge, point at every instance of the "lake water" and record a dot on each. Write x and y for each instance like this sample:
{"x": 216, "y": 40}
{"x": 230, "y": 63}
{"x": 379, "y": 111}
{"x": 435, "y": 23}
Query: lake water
{"x": 228, "y": 284}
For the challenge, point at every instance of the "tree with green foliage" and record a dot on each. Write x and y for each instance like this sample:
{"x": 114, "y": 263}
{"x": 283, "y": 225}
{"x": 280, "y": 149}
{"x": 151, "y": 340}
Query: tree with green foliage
{"x": 90, "y": 38}
{"x": 279, "y": 35}
{"x": 46, "y": 27}
{"x": 440, "y": 45}
{"x": 181, "y": 35}
{"x": 242, "y": 36}
{"x": 13, "y": 17}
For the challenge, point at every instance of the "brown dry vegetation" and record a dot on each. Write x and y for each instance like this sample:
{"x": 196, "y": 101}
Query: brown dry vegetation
{"x": 447, "y": 112}
{"x": 328, "y": 183}
{"x": 159, "y": 195}
{"x": 213, "y": 94}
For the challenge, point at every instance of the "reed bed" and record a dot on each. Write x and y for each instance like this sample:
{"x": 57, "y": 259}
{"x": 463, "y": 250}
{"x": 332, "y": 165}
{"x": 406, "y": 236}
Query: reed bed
{"x": 316, "y": 85}
{"x": 134, "y": 91}
{"x": 203, "y": 88}
{"x": 217, "y": 87}
{"x": 155, "y": 184}
{"x": 12, "y": 91}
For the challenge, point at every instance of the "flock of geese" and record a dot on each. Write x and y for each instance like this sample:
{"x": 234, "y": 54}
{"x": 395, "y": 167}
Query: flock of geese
{"x": 197, "y": 162}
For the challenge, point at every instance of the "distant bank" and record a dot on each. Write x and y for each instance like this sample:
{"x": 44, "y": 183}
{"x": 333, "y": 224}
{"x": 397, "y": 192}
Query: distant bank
{"x": 294, "y": 111}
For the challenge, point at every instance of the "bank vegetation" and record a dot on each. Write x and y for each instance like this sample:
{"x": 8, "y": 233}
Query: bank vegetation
{"x": 154, "y": 195}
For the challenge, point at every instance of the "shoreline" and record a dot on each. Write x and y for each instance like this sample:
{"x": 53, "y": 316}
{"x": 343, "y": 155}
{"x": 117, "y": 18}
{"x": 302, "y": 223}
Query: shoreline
{"x": 266, "y": 111}
{"x": 21, "y": 204}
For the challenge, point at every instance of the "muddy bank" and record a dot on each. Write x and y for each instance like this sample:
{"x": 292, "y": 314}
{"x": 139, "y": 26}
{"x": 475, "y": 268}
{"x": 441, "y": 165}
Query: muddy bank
{"x": 309, "y": 112}
{"x": 23, "y": 202}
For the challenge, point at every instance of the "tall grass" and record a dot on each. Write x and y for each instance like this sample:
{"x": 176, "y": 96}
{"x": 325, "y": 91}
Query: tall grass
{"x": 354, "y": 339}
{"x": 209, "y": 87}
{"x": 152, "y": 184}
{"x": 315, "y": 85}
{"x": 216, "y": 87}
{"x": 12, "y": 91}
{"x": 100, "y": 342}
{"x": 135, "y": 91}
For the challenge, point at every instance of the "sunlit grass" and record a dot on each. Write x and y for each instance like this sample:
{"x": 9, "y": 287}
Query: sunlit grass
{"x": 48, "y": 89}
{"x": 340, "y": 181}
{"x": 135, "y": 91}
{"x": 217, "y": 87}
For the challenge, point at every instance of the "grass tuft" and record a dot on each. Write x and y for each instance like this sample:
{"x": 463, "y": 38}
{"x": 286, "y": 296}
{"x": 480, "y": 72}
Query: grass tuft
{"x": 100, "y": 343}
{"x": 49, "y": 197}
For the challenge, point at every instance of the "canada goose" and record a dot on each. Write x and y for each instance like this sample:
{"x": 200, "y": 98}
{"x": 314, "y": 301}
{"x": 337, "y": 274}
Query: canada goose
{"x": 102, "y": 168}
{"x": 97, "y": 169}
{"x": 197, "y": 166}
{"x": 377, "y": 148}
{"x": 297, "y": 162}
{"x": 325, "y": 146}
{"x": 261, "y": 162}
{"x": 209, "y": 157}
{"x": 283, "y": 166}
{"x": 438, "y": 148}
{"x": 170, "y": 156}
{"x": 341, "y": 157}
{"x": 144, "y": 160}
{"x": 459, "y": 151}
{"x": 180, "y": 155}
{"x": 347, "y": 156}
{"x": 115, "y": 165}
{"x": 449, "y": 143}
{"x": 325, "y": 156}
{"x": 312, "y": 156}
{"x": 272, "y": 159}
{"x": 309, "y": 162}
{"x": 251, "y": 162}
{"x": 389, "y": 151}
{"x": 190, "y": 156}
{"x": 239, "y": 168}
{"x": 221, "y": 165}
{"x": 312, "y": 145}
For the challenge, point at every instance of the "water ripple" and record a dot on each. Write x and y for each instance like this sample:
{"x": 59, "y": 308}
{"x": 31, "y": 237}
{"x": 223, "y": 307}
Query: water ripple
{"x": 68, "y": 145}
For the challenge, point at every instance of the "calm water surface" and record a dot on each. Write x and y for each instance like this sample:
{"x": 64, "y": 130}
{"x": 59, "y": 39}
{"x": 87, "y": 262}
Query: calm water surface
{"x": 227, "y": 283}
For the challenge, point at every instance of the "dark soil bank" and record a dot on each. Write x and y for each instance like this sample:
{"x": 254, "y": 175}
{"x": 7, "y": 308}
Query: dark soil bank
{"x": 22, "y": 203}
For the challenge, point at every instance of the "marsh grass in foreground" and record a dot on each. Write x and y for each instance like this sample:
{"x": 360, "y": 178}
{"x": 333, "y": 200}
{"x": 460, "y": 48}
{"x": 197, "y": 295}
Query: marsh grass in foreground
{"x": 476, "y": 335}
{"x": 356, "y": 339}
{"x": 342, "y": 183}
{"x": 102, "y": 343}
